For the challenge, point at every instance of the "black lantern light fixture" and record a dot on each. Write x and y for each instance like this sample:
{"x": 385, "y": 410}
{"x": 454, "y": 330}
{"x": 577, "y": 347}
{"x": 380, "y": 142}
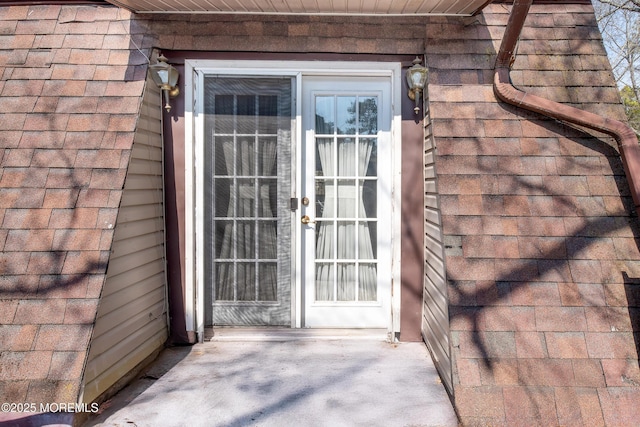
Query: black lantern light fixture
{"x": 417, "y": 80}
{"x": 166, "y": 77}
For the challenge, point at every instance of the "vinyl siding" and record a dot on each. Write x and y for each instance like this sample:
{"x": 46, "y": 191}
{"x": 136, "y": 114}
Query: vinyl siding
{"x": 435, "y": 311}
{"x": 131, "y": 321}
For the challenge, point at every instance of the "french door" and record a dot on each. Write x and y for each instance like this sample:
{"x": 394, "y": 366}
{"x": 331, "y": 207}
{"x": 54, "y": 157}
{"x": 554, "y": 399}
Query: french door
{"x": 247, "y": 184}
{"x": 293, "y": 199}
{"x": 346, "y": 189}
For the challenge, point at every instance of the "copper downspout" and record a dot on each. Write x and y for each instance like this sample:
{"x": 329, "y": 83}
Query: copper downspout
{"x": 505, "y": 91}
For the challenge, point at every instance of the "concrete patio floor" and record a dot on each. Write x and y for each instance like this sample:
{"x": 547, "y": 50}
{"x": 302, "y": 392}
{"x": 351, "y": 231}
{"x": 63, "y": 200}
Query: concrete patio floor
{"x": 285, "y": 380}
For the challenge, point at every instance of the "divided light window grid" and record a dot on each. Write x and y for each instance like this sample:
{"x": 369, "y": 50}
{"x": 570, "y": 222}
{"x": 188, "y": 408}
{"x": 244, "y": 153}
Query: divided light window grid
{"x": 244, "y": 128}
{"x": 346, "y": 197}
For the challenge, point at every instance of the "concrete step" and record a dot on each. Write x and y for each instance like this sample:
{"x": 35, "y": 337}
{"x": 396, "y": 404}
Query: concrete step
{"x": 291, "y": 334}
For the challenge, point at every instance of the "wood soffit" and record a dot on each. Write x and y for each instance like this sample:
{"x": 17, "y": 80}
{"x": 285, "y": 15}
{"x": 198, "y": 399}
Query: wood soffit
{"x": 307, "y": 7}
{"x": 296, "y": 7}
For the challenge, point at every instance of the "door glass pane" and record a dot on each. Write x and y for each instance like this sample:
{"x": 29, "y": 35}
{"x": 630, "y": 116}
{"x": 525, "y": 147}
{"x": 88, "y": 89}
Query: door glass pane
{"x": 246, "y": 281}
{"x": 367, "y": 234}
{"x": 224, "y": 155}
{"x": 268, "y": 282}
{"x": 245, "y": 241}
{"x": 267, "y": 148}
{"x": 369, "y": 199}
{"x": 246, "y": 114}
{"x": 224, "y": 114}
{"x": 224, "y": 245}
{"x": 347, "y": 157}
{"x": 368, "y": 115}
{"x": 267, "y": 198}
{"x": 245, "y": 197}
{"x": 346, "y": 201}
{"x": 325, "y": 274}
{"x": 268, "y": 114}
{"x": 321, "y": 202}
{"x": 268, "y": 242}
{"x": 245, "y": 156}
{"x": 325, "y": 240}
{"x": 367, "y": 289}
{"x": 346, "y": 240}
{"x": 325, "y": 157}
{"x": 223, "y": 203}
{"x": 346, "y": 196}
{"x": 368, "y": 157}
{"x": 325, "y": 115}
{"x": 347, "y": 281}
{"x": 224, "y": 277}
{"x": 346, "y": 115}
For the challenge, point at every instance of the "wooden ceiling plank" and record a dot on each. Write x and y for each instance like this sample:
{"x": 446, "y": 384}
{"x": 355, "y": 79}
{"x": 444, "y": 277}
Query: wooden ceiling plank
{"x": 309, "y": 6}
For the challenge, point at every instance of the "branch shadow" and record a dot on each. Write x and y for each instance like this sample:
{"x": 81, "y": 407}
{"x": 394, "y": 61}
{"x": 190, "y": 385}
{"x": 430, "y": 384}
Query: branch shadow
{"x": 554, "y": 264}
{"x": 43, "y": 275}
{"x": 554, "y": 261}
{"x": 168, "y": 359}
{"x": 270, "y": 382}
{"x": 592, "y": 216}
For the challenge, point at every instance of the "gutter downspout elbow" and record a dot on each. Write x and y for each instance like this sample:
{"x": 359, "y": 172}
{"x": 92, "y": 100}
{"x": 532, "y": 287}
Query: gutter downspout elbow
{"x": 506, "y": 92}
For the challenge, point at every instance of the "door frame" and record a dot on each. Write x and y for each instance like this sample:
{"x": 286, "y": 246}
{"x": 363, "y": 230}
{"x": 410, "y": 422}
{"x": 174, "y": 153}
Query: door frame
{"x": 194, "y": 166}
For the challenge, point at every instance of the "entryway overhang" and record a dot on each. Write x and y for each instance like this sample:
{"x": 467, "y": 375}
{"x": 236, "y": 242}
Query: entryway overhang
{"x": 308, "y": 7}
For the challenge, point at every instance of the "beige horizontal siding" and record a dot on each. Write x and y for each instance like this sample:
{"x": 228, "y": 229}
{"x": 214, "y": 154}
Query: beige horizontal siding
{"x": 435, "y": 309}
{"x": 132, "y": 315}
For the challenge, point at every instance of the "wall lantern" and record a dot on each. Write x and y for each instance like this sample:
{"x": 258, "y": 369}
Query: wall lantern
{"x": 416, "y": 79}
{"x": 166, "y": 77}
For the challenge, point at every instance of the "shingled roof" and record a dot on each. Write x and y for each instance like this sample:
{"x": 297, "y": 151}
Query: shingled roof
{"x": 540, "y": 230}
{"x": 70, "y": 98}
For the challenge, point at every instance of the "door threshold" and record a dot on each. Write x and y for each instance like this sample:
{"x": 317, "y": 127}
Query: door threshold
{"x": 227, "y": 333}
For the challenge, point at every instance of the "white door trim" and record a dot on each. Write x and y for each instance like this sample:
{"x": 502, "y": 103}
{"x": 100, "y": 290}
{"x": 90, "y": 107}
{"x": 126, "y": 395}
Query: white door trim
{"x": 194, "y": 226}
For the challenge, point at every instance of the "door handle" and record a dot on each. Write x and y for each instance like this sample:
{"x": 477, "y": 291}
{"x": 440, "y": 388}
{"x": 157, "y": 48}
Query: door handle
{"x": 306, "y": 220}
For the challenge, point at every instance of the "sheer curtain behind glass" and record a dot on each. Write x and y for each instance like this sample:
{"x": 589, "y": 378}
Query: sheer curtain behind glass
{"x": 346, "y": 198}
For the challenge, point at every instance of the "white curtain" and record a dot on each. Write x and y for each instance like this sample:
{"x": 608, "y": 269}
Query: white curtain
{"x": 324, "y": 240}
{"x": 249, "y": 220}
{"x": 368, "y": 277}
{"x": 224, "y": 270}
{"x": 267, "y": 230}
{"x": 343, "y": 198}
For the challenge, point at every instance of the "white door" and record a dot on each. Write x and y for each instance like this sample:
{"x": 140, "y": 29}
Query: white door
{"x": 346, "y": 202}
